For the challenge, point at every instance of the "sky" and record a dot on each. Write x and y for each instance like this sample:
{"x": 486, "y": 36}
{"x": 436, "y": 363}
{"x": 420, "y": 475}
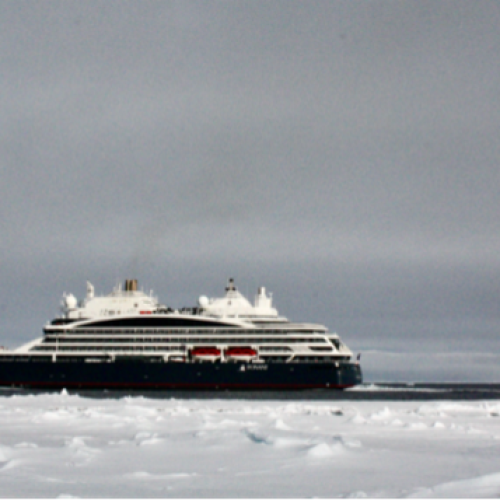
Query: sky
{"x": 344, "y": 154}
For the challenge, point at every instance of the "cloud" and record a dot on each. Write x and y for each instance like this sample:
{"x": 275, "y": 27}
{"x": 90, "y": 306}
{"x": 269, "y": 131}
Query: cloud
{"x": 252, "y": 135}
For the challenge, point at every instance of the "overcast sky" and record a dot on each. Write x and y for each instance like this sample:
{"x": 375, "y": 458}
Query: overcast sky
{"x": 343, "y": 153}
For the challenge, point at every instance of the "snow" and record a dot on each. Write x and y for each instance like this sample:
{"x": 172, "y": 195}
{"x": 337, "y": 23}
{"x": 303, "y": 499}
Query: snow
{"x": 61, "y": 445}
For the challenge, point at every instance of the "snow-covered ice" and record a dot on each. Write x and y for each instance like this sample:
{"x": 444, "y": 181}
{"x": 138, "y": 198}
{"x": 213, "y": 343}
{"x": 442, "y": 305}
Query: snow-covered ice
{"x": 60, "y": 445}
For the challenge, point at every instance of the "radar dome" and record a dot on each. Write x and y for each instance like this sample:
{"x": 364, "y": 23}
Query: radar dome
{"x": 203, "y": 301}
{"x": 70, "y": 301}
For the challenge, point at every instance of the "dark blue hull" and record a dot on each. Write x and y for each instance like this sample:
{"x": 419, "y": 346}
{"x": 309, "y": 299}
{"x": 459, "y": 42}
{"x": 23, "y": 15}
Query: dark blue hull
{"x": 185, "y": 376}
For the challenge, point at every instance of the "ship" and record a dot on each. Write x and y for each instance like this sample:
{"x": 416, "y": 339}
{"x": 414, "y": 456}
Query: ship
{"x": 127, "y": 340}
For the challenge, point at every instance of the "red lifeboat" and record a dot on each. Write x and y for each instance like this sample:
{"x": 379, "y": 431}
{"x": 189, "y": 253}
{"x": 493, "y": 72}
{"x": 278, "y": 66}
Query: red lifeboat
{"x": 205, "y": 353}
{"x": 240, "y": 353}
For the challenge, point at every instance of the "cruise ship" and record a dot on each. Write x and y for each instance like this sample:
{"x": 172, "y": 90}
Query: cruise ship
{"x": 128, "y": 340}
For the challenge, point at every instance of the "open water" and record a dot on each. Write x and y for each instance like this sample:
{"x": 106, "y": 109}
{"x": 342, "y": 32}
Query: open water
{"x": 364, "y": 392}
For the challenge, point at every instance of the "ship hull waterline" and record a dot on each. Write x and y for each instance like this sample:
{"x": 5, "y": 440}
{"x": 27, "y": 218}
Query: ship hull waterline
{"x": 182, "y": 376}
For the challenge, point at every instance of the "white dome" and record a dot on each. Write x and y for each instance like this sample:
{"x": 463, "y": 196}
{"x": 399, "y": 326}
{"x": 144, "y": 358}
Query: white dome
{"x": 70, "y": 301}
{"x": 203, "y": 301}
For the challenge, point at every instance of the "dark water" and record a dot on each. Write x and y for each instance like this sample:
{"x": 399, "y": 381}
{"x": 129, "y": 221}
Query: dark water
{"x": 365, "y": 392}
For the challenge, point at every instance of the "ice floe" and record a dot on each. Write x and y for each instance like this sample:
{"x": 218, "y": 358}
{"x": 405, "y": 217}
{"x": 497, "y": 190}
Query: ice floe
{"x": 66, "y": 446}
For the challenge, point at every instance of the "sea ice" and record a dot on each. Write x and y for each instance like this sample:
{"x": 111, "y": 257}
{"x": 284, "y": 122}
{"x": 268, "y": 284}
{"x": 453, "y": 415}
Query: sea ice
{"x": 63, "y": 445}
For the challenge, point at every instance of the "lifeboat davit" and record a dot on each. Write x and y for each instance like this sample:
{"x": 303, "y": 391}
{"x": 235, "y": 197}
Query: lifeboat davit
{"x": 240, "y": 353}
{"x": 205, "y": 353}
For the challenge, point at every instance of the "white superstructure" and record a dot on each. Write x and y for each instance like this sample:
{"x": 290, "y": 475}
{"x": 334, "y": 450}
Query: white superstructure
{"x": 129, "y": 323}
{"x": 119, "y": 302}
{"x": 235, "y": 305}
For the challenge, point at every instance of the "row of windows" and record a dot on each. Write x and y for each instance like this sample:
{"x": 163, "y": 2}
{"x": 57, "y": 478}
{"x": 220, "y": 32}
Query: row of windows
{"x": 139, "y": 349}
{"x": 79, "y": 347}
{"x": 275, "y": 349}
{"x": 296, "y": 359}
{"x": 110, "y": 348}
{"x": 185, "y": 331}
{"x": 190, "y": 340}
{"x": 45, "y": 359}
